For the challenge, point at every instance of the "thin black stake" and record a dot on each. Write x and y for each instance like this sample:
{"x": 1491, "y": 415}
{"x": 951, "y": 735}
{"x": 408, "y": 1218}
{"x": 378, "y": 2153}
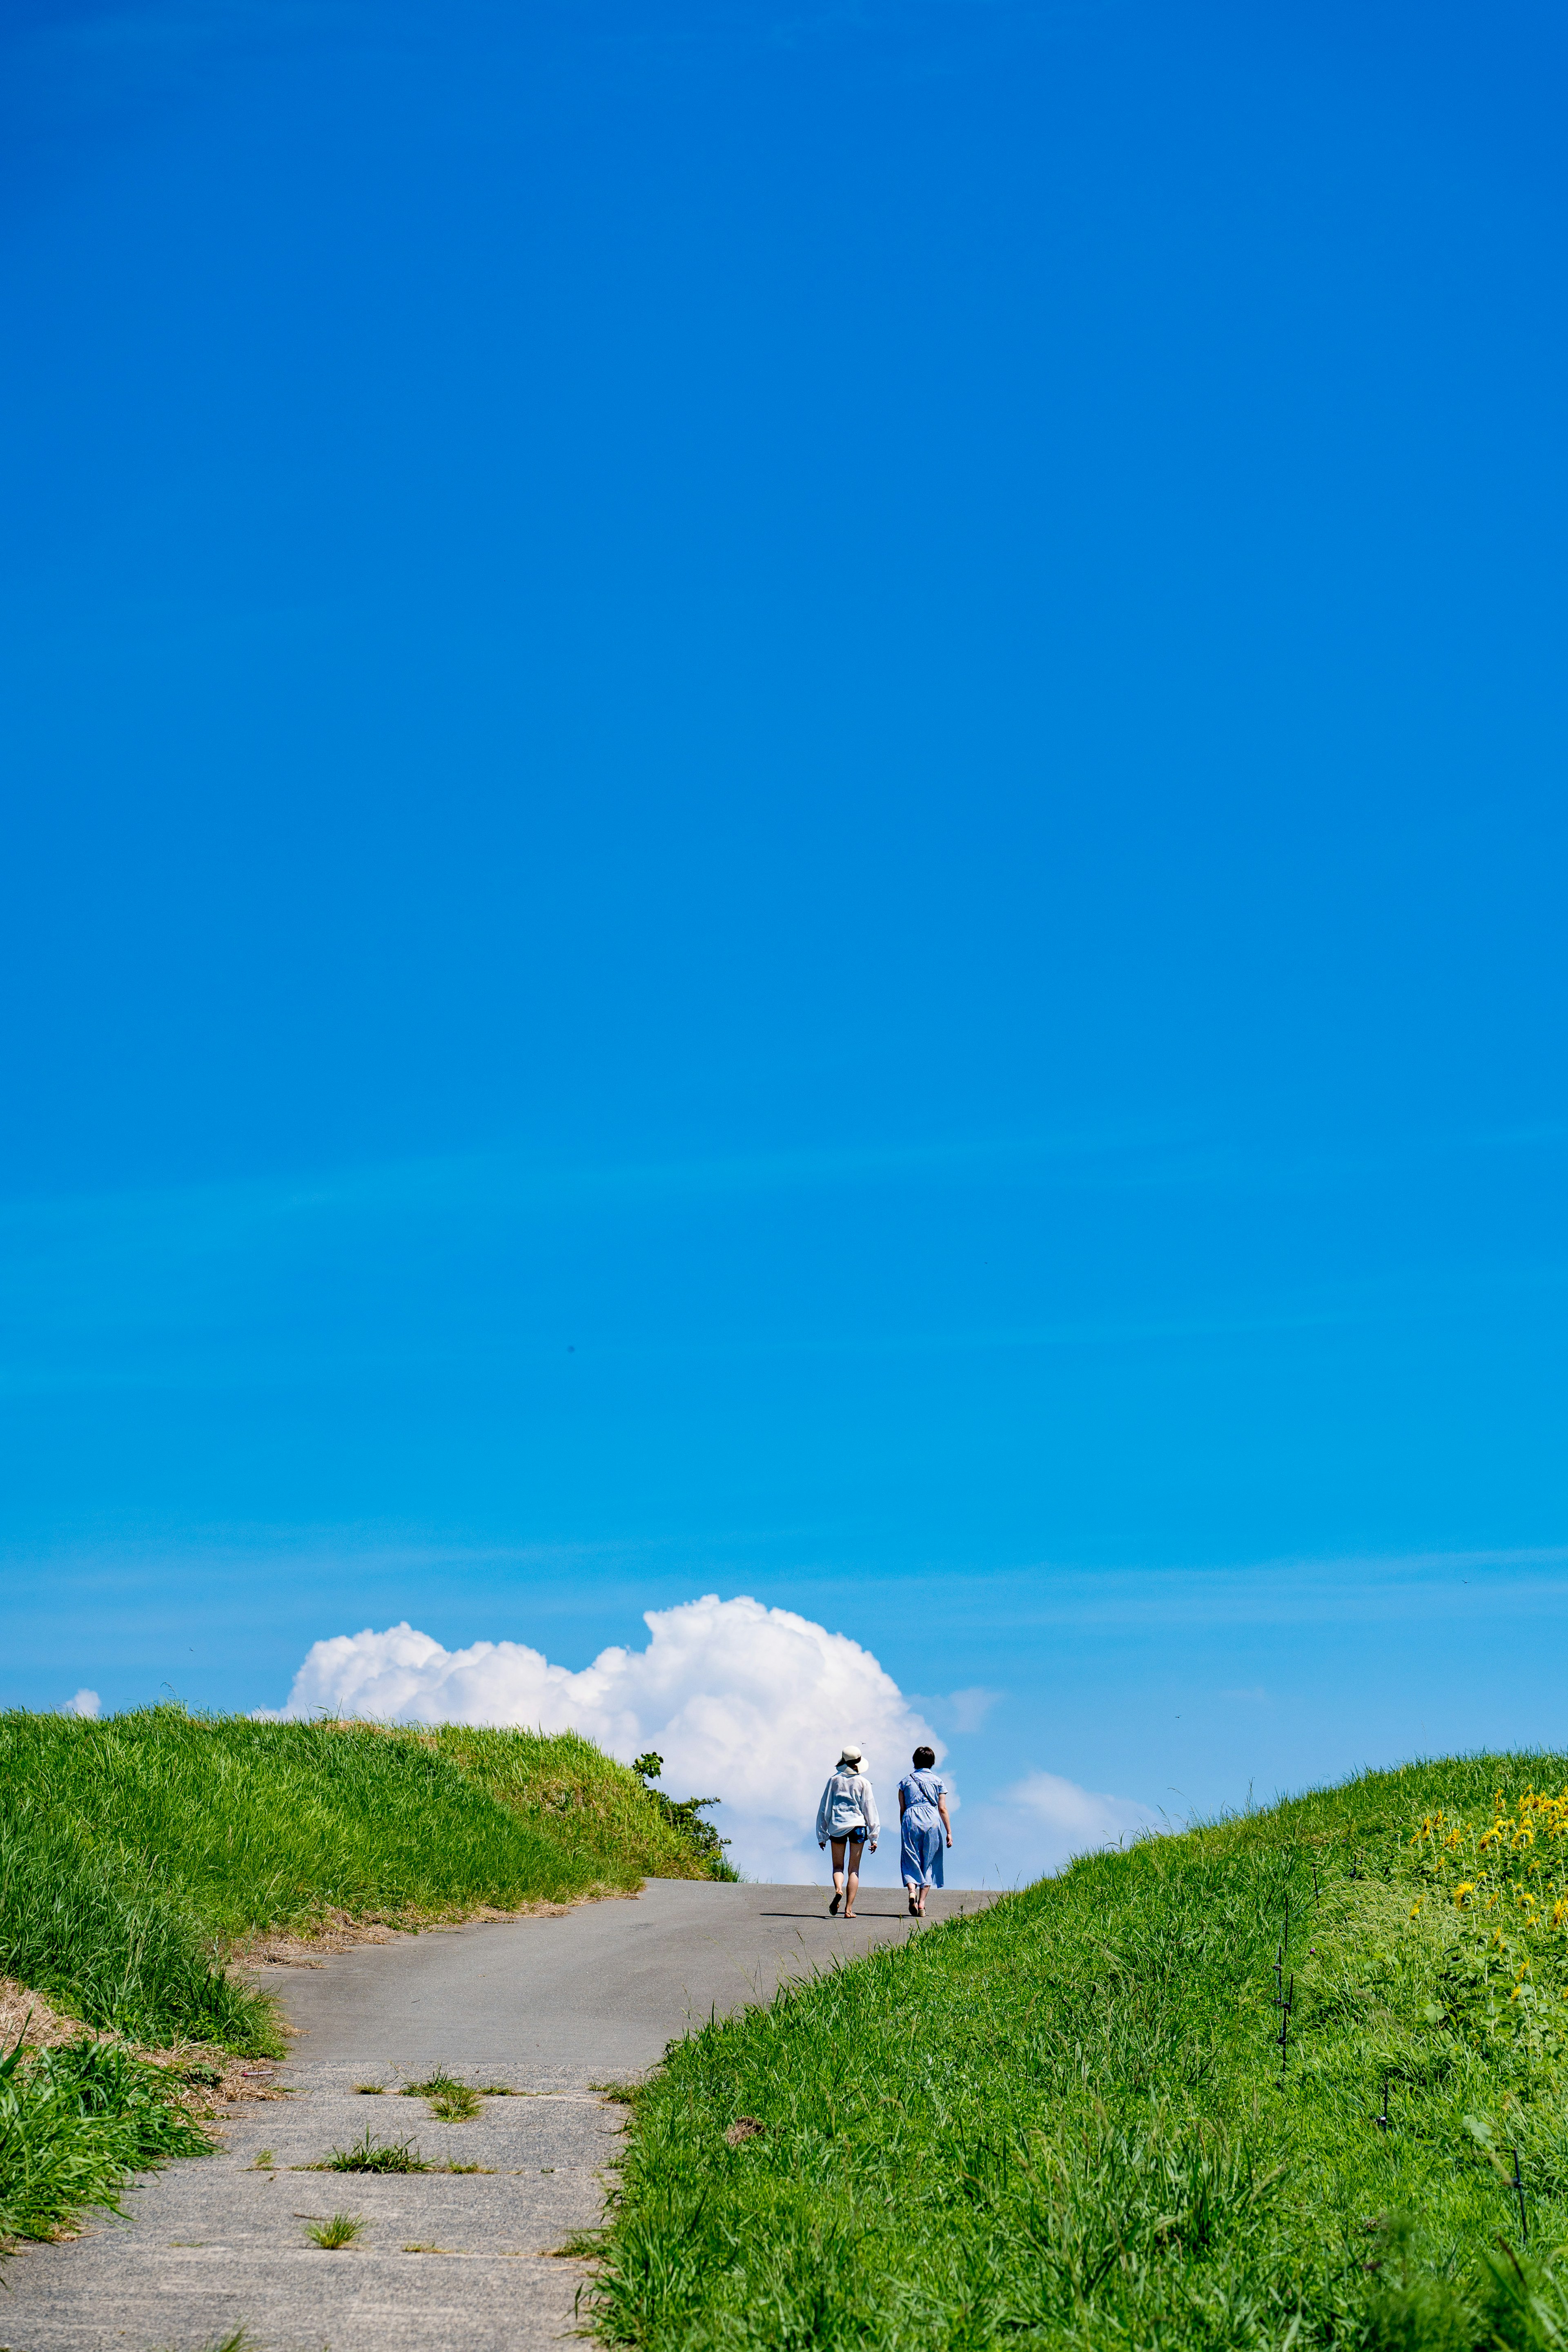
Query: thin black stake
{"x": 1517, "y": 2184}
{"x": 1285, "y": 2026}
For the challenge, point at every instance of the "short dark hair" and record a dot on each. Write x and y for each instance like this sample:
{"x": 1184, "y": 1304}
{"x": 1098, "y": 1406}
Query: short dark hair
{"x": 924, "y": 1759}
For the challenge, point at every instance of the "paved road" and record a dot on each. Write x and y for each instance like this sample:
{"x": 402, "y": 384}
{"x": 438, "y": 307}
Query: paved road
{"x": 460, "y": 2260}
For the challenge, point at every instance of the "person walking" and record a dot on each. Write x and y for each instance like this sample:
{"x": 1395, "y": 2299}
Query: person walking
{"x": 848, "y": 1816}
{"x": 923, "y": 1821}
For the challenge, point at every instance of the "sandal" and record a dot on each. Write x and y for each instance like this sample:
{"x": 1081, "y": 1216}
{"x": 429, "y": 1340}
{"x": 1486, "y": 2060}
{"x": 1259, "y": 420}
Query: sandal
{"x": 833, "y": 1906}
{"x": 914, "y": 1913}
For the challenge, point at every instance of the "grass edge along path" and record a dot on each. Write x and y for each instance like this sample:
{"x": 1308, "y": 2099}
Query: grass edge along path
{"x": 137, "y": 1854}
{"x": 82, "y": 2111}
{"x": 141, "y": 1854}
{"x": 77, "y": 2120}
{"x": 1268, "y": 2083}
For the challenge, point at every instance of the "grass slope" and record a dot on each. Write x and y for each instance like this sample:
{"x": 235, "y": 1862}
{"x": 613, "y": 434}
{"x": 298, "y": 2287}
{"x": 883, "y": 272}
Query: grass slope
{"x": 1064, "y": 2121}
{"x": 136, "y": 1852}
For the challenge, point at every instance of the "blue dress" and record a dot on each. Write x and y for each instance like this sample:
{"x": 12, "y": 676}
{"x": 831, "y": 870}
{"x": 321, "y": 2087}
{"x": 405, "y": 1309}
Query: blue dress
{"x": 920, "y": 1839}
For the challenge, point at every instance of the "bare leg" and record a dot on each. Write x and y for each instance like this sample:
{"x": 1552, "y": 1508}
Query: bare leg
{"x": 853, "y": 1887}
{"x": 839, "y": 1846}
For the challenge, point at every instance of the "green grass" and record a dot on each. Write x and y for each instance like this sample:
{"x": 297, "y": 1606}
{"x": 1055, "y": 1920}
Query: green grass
{"x": 454, "y": 2101}
{"x": 136, "y": 1852}
{"x": 338, "y": 2229}
{"x": 592, "y": 1808}
{"x": 1065, "y": 2122}
{"x": 75, "y": 2123}
{"x": 367, "y": 2154}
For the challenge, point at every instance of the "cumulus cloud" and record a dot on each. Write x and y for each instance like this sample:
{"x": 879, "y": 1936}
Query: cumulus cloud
{"x": 86, "y": 1704}
{"x": 743, "y": 1702}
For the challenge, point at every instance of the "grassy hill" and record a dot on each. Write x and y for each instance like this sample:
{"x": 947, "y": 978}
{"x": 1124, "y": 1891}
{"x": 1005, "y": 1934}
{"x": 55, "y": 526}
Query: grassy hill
{"x": 1071, "y": 2119}
{"x": 136, "y": 1854}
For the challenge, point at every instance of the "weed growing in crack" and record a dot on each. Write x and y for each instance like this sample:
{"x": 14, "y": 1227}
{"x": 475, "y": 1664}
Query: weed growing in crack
{"x": 341, "y": 2229}
{"x": 454, "y": 2101}
{"x": 367, "y": 2154}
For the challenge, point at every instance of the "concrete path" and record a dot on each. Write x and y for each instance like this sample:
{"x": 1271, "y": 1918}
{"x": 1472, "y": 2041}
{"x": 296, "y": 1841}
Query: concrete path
{"x": 457, "y": 2258}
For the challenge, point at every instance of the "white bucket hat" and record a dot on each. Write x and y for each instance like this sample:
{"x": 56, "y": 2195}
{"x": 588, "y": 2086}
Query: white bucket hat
{"x": 851, "y": 1756}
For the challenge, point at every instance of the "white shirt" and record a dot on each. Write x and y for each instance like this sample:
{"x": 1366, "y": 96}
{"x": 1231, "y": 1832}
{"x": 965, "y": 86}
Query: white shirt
{"x": 848, "y": 1803}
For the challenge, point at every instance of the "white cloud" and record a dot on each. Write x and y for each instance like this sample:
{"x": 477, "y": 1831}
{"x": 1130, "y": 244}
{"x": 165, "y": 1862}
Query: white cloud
{"x": 967, "y": 1709}
{"x": 85, "y": 1703}
{"x": 1069, "y": 1812}
{"x": 1042, "y": 1820}
{"x": 743, "y": 1702}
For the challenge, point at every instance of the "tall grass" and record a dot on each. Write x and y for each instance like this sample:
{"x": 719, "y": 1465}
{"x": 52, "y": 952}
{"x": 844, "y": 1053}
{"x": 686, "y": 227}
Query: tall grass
{"x": 592, "y": 1808}
{"x": 73, "y": 2124}
{"x": 135, "y": 1852}
{"x": 1069, "y": 2120}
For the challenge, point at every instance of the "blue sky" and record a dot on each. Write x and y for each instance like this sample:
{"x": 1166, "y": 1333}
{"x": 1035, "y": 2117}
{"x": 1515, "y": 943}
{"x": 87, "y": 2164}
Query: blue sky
{"x": 785, "y": 817}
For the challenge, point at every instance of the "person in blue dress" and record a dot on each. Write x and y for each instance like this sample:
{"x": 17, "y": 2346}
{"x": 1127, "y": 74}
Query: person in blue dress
{"x": 923, "y": 1824}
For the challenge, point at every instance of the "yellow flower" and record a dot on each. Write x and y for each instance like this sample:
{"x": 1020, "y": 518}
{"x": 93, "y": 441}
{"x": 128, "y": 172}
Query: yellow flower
{"x": 1414, "y": 1910}
{"x": 1560, "y": 1913}
{"x": 1463, "y": 1892}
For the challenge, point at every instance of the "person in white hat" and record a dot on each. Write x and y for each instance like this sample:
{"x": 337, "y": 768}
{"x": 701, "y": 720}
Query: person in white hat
{"x": 848, "y": 1816}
